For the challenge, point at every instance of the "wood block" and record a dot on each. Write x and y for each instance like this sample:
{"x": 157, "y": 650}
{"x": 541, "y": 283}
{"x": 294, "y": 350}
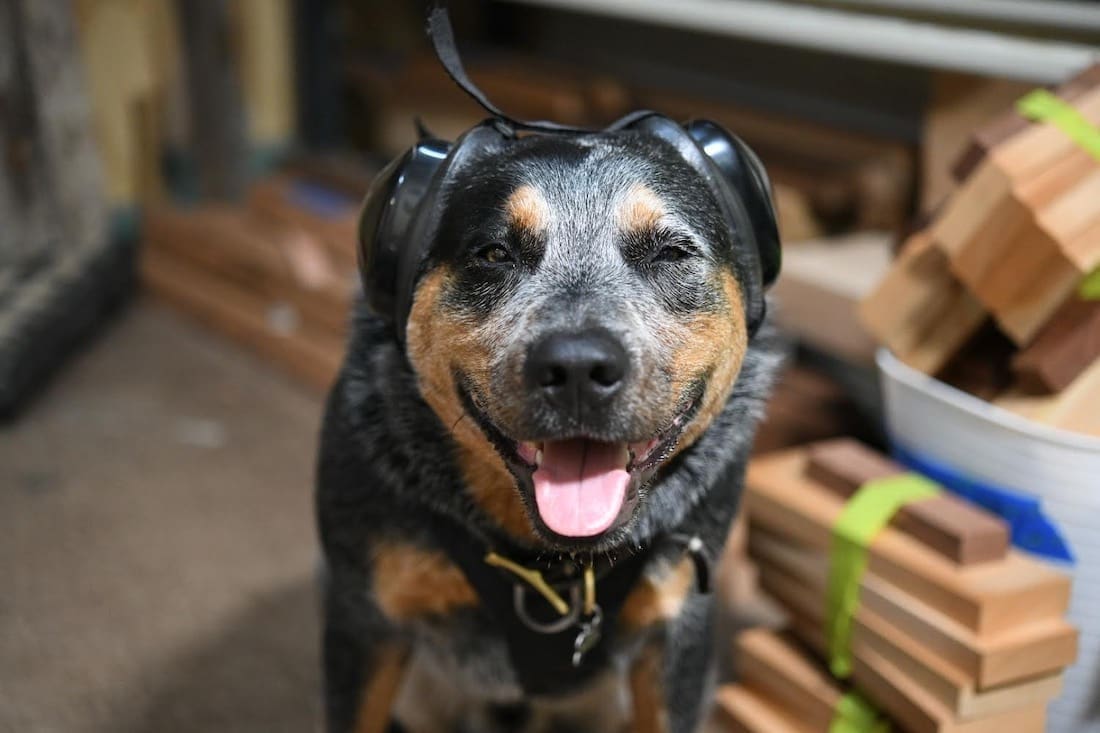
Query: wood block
{"x": 989, "y": 660}
{"x": 920, "y": 311}
{"x": 740, "y": 710}
{"x": 1072, "y": 409}
{"x": 821, "y": 287}
{"x": 1042, "y": 159}
{"x": 891, "y": 689}
{"x": 312, "y": 357}
{"x": 1011, "y": 122}
{"x": 1065, "y": 347}
{"x": 985, "y": 598}
{"x": 946, "y": 682}
{"x": 959, "y": 104}
{"x": 951, "y": 526}
{"x": 981, "y": 368}
{"x": 778, "y": 670}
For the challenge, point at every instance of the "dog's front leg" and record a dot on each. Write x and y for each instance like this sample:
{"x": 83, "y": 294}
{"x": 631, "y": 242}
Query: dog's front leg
{"x": 673, "y": 676}
{"x": 364, "y": 665}
{"x": 669, "y": 678}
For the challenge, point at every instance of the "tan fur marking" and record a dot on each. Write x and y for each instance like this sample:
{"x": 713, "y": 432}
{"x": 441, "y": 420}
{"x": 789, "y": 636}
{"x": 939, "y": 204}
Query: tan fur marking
{"x": 494, "y": 490}
{"x": 717, "y": 344}
{"x": 653, "y": 601}
{"x": 438, "y": 340}
{"x": 650, "y": 706}
{"x": 380, "y": 691}
{"x": 410, "y": 582}
{"x": 641, "y": 209}
{"x": 527, "y": 209}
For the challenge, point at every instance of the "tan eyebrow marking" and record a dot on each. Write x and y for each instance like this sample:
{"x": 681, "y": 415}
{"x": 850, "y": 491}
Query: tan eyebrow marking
{"x": 640, "y": 210}
{"x": 527, "y": 209}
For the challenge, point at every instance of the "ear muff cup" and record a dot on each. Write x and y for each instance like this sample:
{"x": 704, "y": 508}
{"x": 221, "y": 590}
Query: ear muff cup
{"x": 737, "y": 181}
{"x": 745, "y": 174}
{"x": 388, "y": 211}
{"x": 401, "y": 214}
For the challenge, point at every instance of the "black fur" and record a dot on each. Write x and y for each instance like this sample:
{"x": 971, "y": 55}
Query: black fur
{"x": 387, "y": 466}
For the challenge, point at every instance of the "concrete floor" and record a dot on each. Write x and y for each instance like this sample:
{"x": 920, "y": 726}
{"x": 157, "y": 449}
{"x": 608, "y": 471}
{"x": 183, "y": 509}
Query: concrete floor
{"x": 157, "y": 551}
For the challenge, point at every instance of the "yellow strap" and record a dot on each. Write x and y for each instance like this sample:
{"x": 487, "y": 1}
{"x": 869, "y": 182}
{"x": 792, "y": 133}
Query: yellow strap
{"x": 533, "y": 578}
{"x": 866, "y": 513}
{"x": 1042, "y": 106}
{"x": 1090, "y": 286}
{"x": 855, "y": 715}
{"x": 589, "y": 589}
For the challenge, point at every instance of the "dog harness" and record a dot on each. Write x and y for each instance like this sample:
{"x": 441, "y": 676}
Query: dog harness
{"x": 556, "y": 616}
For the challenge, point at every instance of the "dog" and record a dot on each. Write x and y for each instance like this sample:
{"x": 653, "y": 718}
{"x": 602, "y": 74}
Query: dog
{"x": 536, "y": 444}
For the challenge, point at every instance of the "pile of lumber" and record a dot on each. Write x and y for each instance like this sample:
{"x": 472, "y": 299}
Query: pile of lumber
{"x": 277, "y": 274}
{"x": 953, "y": 631}
{"x": 1006, "y": 264}
{"x": 780, "y": 688}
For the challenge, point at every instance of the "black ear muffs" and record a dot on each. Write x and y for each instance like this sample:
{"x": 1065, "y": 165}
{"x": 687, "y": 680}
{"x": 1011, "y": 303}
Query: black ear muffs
{"x": 389, "y": 209}
{"x": 743, "y": 172}
{"x": 401, "y": 213}
{"x": 402, "y": 210}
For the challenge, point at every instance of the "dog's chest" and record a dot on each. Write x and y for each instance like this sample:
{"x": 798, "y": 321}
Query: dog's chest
{"x": 459, "y": 682}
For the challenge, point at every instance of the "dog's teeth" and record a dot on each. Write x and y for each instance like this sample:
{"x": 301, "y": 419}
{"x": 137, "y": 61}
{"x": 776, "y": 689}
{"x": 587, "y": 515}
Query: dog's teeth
{"x": 538, "y": 457}
{"x": 625, "y": 455}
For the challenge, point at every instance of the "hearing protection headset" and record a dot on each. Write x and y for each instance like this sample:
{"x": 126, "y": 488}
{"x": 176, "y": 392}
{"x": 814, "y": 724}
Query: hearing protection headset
{"x": 402, "y": 208}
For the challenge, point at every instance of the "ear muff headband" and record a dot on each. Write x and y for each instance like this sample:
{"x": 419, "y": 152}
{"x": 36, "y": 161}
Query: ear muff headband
{"x": 402, "y": 210}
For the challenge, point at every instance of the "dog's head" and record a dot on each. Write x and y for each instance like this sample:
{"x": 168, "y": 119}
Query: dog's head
{"x": 579, "y": 319}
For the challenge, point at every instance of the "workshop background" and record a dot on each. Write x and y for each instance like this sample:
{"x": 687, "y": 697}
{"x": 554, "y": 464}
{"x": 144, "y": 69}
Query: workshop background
{"x": 179, "y": 189}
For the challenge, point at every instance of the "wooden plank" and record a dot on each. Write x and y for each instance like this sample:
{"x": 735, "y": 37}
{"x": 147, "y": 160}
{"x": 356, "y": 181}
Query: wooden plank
{"x": 228, "y": 243}
{"x": 740, "y": 710}
{"x": 947, "y": 683}
{"x": 951, "y": 526}
{"x": 313, "y": 358}
{"x": 920, "y": 311}
{"x": 990, "y": 660}
{"x": 959, "y": 104}
{"x": 985, "y": 598}
{"x": 1011, "y": 122}
{"x": 889, "y": 687}
{"x": 822, "y": 285}
{"x": 1066, "y": 346}
{"x": 779, "y": 671}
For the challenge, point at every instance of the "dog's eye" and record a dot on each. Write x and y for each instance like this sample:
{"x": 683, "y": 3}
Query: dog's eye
{"x": 495, "y": 254}
{"x": 671, "y": 253}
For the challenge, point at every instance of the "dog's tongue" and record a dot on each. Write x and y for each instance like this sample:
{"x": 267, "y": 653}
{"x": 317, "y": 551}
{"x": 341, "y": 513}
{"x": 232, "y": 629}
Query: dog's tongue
{"x": 580, "y": 486}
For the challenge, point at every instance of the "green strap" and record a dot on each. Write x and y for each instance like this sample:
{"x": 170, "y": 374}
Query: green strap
{"x": 855, "y": 715}
{"x": 1042, "y": 106}
{"x": 866, "y": 513}
{"x": 1090, "y": 286}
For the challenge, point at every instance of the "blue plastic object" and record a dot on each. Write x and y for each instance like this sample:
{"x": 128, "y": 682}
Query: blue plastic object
{"x": 1031, "y": 529}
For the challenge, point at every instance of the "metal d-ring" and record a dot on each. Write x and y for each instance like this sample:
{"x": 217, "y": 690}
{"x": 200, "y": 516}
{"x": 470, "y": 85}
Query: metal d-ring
{"x": 519, "y": 597}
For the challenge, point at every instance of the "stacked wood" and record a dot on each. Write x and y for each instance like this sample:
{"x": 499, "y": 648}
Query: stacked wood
{"x": 779, "y": 688}
{"x": 1012, "y": 245}
{"x": 942, "y": 640}
{"x": 278, "y": 276}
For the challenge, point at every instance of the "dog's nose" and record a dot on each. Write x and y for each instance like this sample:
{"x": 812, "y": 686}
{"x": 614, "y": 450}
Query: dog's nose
{"x": 577, "y": 370}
